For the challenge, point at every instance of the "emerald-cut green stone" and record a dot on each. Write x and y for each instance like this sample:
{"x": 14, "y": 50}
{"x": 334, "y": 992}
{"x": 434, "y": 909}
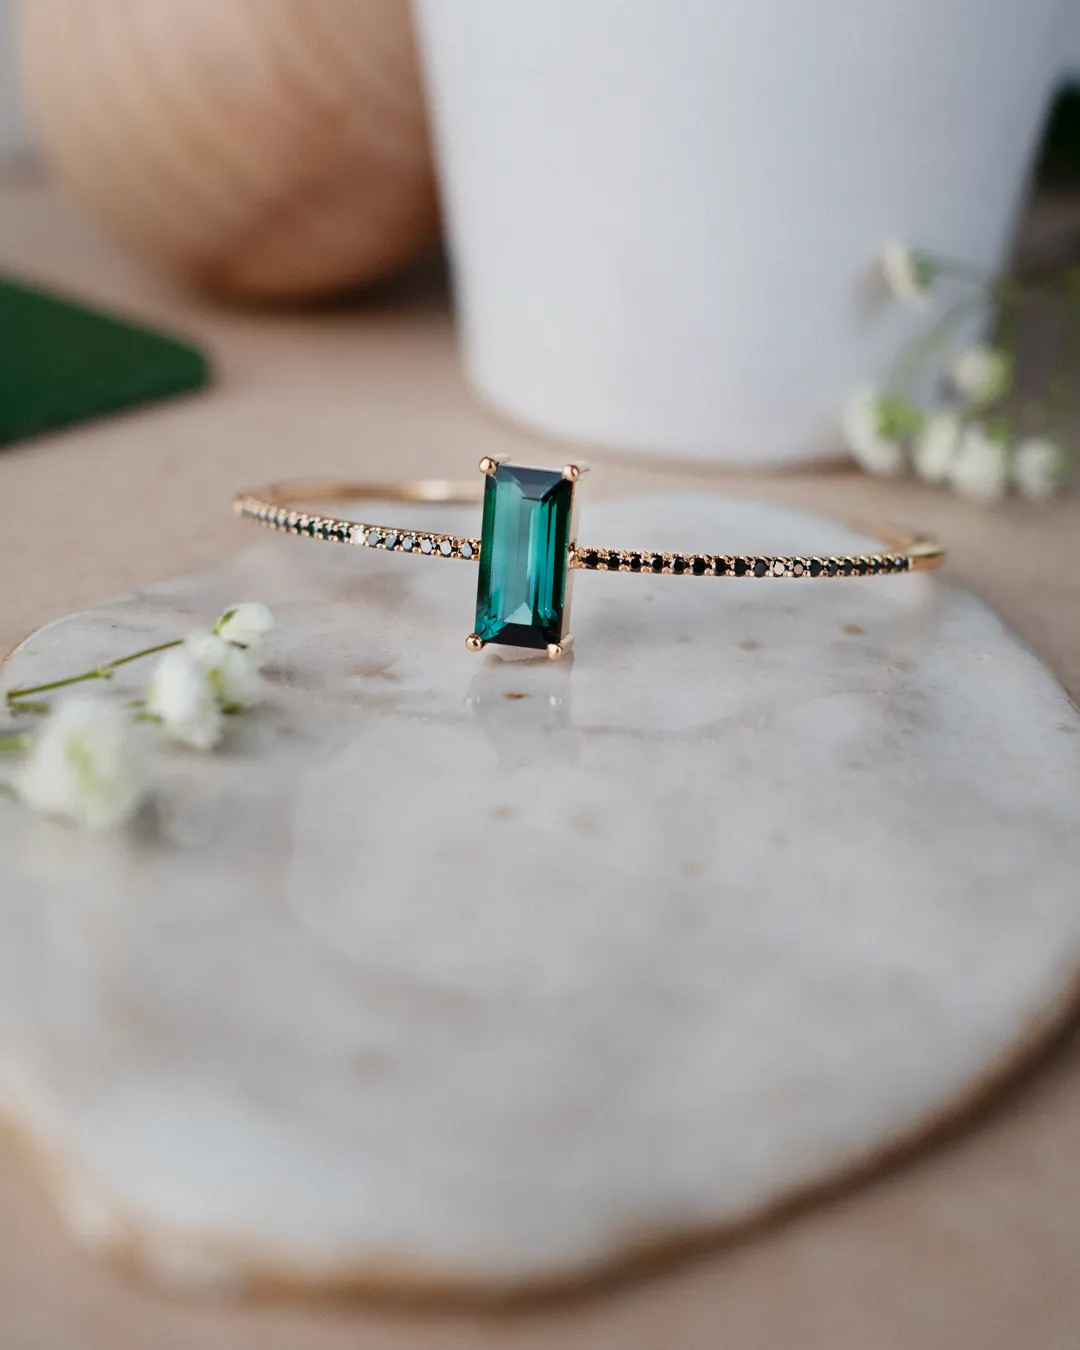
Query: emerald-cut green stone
{"x": 524, "y": 544}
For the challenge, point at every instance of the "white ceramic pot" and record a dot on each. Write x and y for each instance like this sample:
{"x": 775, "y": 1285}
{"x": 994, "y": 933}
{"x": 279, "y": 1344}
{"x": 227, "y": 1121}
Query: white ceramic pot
{"x": 663, "y": 214}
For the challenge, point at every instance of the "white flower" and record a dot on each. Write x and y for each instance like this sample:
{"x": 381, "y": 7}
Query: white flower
{"x": 870, "y": 434}
{"x": 246, "y": 624}
{"x": 936, "y": 446}
{"x": 84, "y": 765}
{"x": 1040, "y": 466}
{"x": 982, "y": 374}
{"x": 232, "y": 671}
{"x": 909, "y": 275}
{"x": 980, "y": 469}
{"x": 182, "y": 698}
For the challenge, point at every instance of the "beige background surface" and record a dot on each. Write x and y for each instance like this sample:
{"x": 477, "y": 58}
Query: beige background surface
{"x": 974, "y": 1244}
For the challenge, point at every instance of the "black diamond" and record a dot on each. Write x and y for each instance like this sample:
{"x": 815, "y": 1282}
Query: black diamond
{"x": 740, "y": 567}
{"x": 657, "y": 563}
{"x": 592, "y": 560}
{"x": 760, "y": 567}
{"x": 849, "y": 567}
{"x": 614, "y": 562}
{"x": 635, "y": 562}
{"x": 832, "y": 567}
{"x": 698, "y": 567}
{"x": 720, "y": 567}
{"x": 678, "y": 565}
{"x": 861, "y": 567}
{"x": 815, "y": 567}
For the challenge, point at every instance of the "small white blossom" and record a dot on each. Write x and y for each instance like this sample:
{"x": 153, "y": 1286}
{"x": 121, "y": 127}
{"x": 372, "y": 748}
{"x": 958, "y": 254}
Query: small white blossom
{"x": 246, "y": 624}
{"x": 232, "y": 672}
{"x": 936, "y": 446}
{"x": 982, "y": 374}
{"x": 908, "y": 275}
{"x": 1040, "y": 466}
{"x": 84, "y": 765}
{"x": 182, "y": 698}
{"x": 980, "y": 469}
{"x": 870, "y": 437}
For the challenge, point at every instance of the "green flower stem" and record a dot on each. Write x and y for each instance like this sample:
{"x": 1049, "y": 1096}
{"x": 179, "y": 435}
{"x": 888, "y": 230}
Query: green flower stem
{"x": 1041, "y": 281}
{"x": 1003, "y": 340}
{"x": 1061, "y": 395}
{"x": 1006, "y": 324}
{"x": 960, "y": 271}
{"x": 13, "y": 741}
{"x": 103, "y": 672}
{"x": 914, "y": 356}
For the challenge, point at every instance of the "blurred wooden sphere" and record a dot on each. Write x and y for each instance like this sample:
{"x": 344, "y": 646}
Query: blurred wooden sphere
{"x": 276, "y": 149}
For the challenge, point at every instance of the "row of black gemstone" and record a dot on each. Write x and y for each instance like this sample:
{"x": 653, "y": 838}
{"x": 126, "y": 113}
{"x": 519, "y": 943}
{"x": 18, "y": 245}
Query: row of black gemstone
{"x": 432, "y": 545}
{"x": 315, "y": 527}
{"x": 345, "y": 532}
{"x": 699, "y": 566}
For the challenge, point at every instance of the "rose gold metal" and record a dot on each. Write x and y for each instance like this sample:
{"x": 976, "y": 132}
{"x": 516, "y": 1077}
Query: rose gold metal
{"x": 572, "y": 472}
{"x": 275, "y": 508}
{"x": 557, "y": 650}
{"x": 490, "y": 463}
{"x": 475, "y": 643}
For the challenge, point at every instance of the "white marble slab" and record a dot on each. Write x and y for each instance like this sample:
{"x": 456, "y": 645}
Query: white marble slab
{"x": 468, "y": 974}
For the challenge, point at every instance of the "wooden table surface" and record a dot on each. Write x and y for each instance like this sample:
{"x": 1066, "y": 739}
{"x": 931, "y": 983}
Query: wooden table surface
{"x": 974, "y": 1245}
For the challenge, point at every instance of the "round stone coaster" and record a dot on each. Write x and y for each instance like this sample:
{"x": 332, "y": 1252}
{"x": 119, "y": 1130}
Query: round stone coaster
{"x": 462, "y": 974}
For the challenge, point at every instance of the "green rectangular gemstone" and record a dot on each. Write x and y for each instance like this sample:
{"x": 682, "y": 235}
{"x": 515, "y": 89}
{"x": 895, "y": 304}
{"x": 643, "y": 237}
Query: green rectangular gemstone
{"x": 524, "y": 544}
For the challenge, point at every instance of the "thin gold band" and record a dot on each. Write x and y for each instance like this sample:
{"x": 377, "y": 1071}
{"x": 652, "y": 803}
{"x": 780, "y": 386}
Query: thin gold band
{"x": 276, "y": 508}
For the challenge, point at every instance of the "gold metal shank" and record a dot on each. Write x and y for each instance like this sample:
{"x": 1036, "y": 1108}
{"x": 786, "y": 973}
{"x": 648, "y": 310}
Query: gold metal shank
{"x": 277, "y": 508}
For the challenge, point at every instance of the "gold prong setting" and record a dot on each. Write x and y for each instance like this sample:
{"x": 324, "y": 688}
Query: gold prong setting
{"x": 475, "y": 643}
{"x": 573, "y": 472}
{"x": 490, "y": 464}
{"x": 557, "y": 650}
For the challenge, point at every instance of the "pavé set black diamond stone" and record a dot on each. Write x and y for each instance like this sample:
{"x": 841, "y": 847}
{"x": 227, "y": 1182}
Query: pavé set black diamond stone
{"x": 527, "y": 548}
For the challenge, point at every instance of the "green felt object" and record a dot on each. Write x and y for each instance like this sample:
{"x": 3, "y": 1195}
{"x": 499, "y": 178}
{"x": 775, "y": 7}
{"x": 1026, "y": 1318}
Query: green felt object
{"x": 61, "y": 361}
